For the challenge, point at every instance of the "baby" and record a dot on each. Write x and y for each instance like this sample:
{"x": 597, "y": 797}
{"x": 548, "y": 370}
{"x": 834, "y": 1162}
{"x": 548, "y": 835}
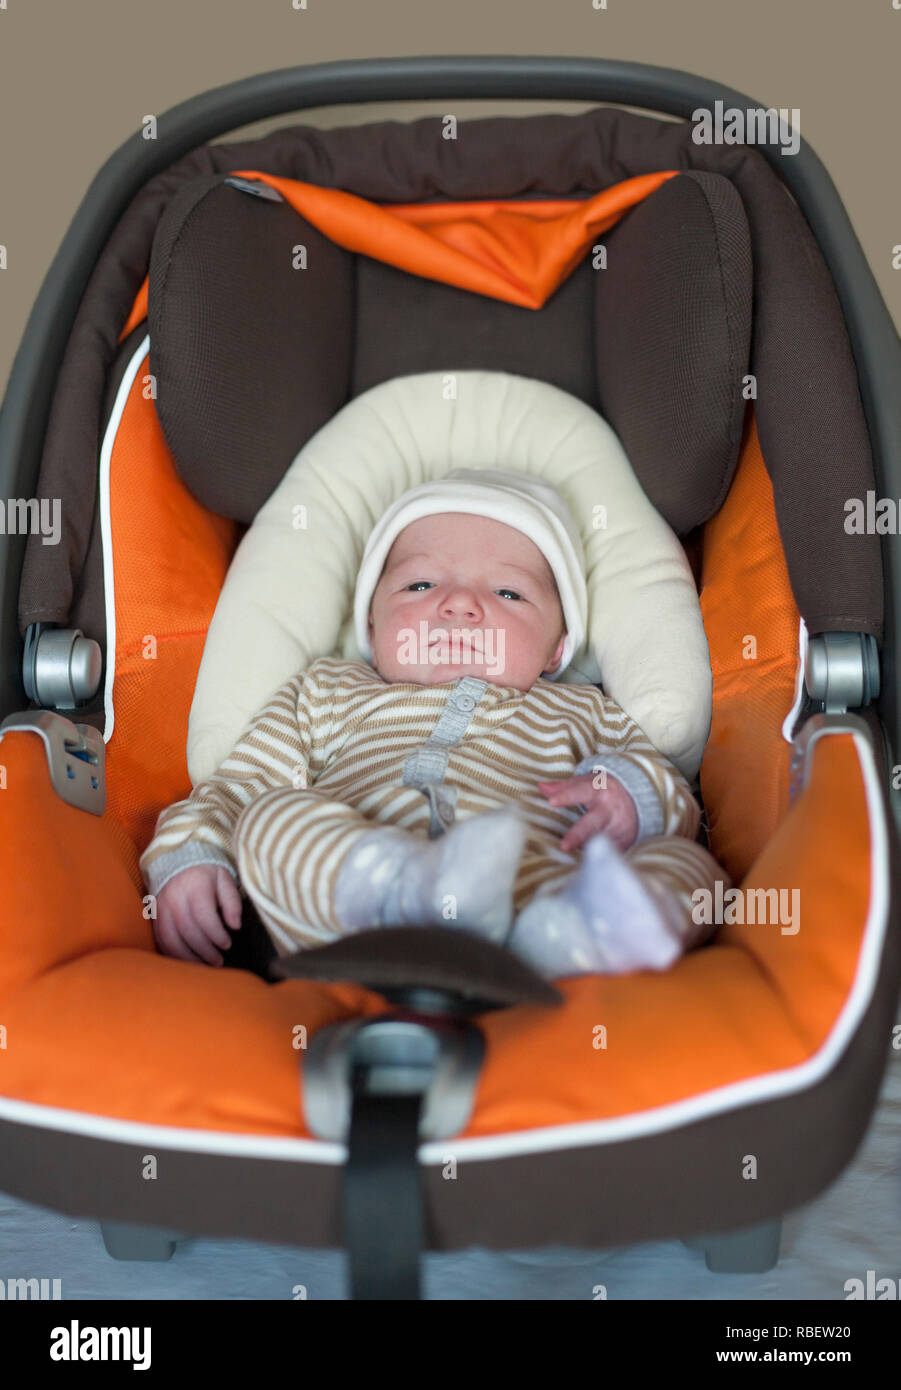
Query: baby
{"x": 446, "y": 780}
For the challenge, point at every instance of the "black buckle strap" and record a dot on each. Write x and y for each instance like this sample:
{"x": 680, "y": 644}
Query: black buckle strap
{"x": 383, "y": 1206}
{"x": 387, "y": 1084}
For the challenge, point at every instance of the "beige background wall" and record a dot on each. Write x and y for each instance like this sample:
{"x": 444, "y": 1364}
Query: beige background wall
{"x": 77, "y": 76}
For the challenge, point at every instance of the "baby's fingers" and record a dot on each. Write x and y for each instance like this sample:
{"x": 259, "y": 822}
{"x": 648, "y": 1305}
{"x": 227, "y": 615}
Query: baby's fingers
{"x": 229, "y": 899}
{"x": 195, "y": 935}
{"x": 169, "y": 938}
{"x": 591, "y": 823}
{"x": 572, "y": 791}
{"x": 205, "y": 917}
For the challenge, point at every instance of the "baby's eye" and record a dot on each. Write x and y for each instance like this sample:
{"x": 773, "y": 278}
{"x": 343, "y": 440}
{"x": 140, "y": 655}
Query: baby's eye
{"x": 417, "y": 583}
{"x": 511, "y": 592}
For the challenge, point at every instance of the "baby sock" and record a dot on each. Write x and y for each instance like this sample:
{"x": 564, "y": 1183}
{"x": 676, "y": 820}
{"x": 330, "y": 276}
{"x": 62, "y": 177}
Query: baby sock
{"x": 604, "y": 920}
{"x": 464, "y": 878}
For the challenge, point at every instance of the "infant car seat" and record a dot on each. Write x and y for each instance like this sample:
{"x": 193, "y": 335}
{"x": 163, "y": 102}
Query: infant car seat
{"x": 412, "y": 1088}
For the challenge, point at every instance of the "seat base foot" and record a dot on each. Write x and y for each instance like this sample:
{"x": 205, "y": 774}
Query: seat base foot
{"x": 751, "y": 1250}
{"x": 125, "y": 1241}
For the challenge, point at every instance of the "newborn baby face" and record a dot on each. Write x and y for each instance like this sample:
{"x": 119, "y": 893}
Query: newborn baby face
{"x": 463, "y": 595}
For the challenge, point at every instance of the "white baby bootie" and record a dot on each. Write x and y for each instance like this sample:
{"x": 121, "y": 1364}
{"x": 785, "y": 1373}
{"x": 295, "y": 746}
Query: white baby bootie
{"x": 464, "y": 878}
{"x": 603, "y": 920}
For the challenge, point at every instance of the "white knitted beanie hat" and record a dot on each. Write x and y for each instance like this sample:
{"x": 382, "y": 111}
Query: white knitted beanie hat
{"x": 520, "y": 500}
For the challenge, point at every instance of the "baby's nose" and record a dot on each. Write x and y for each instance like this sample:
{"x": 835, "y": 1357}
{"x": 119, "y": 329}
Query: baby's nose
{"x": 461, "y": 603}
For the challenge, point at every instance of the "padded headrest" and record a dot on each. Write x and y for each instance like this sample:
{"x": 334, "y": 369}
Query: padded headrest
{"x": 252, "y": 355}
{"x": 287, "y": 597}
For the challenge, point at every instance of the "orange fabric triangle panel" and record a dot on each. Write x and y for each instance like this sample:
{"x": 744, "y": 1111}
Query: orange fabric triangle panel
{"x": 519, "y": 252}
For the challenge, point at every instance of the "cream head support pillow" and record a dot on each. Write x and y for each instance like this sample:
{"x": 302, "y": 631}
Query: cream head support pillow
{"x": 288, "y": 595}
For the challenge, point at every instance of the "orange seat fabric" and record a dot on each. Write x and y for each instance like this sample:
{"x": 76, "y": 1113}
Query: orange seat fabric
{"x": 97, "y": 1021}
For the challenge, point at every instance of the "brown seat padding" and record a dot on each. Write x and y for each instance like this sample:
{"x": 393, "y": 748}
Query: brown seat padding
{"x": 406, "y": 324}
{"x": 252, "y": 355}
{"x": 673, "y": 317}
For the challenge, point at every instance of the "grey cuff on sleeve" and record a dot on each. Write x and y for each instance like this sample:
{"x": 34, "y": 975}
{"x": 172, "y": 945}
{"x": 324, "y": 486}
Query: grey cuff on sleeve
{"x": 159, "y": 871}
{"x": 636, "y": 782}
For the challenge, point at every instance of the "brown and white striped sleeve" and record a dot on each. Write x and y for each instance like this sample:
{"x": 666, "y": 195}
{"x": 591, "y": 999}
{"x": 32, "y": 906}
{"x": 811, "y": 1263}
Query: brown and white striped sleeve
{"x": 274, "y": 750}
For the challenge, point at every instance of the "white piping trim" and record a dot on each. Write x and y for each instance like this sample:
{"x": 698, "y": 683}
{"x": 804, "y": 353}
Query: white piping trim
{"x": 109, "y": 579}
{"x": 788, "y": 722}
{"x": 170, "y": 1136}
{"x": 554, "y": 1137}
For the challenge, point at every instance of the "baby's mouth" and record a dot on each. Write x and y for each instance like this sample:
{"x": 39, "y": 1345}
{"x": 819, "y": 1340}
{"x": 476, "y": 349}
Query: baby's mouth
{"x": 479, "y": 648}
{"x": 473, "y": 635}
{"x": 441, "y": 650}
{"x": 440, "y": 641}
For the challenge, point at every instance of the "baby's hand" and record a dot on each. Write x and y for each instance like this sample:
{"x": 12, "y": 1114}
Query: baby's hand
{"x": 609, "y": 808}
{"x": 188, "y": 921}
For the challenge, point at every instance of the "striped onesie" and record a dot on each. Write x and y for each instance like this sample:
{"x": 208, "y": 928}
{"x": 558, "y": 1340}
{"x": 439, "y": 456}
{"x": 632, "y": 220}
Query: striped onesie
{"x": 337, "y": 749}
